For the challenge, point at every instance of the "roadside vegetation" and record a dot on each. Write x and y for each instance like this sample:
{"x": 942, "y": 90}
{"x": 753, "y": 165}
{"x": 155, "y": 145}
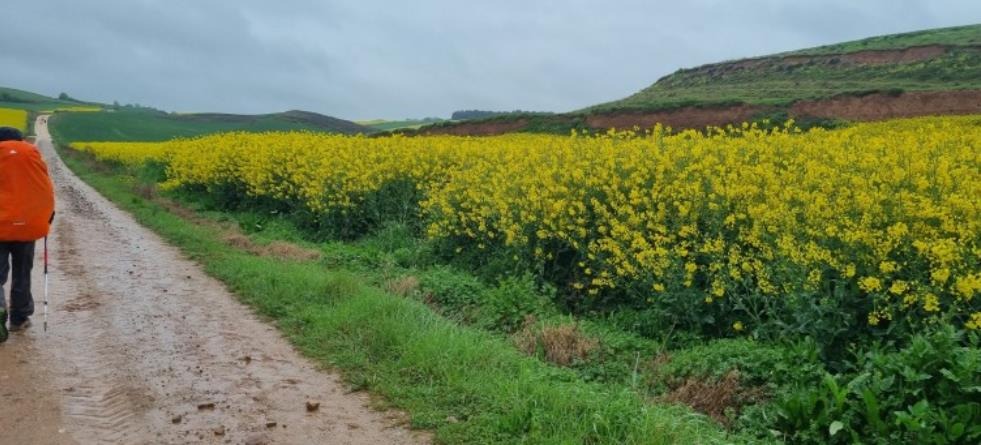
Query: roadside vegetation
{"x": 359, "y": 306}
{"x": 806, "y": 287}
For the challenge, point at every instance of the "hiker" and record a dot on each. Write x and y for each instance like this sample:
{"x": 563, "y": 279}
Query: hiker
{"x": 26, "y": 212}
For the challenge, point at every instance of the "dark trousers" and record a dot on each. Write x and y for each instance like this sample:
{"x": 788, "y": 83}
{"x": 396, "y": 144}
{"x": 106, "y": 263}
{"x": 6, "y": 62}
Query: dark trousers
{"x": 17, "y": 257}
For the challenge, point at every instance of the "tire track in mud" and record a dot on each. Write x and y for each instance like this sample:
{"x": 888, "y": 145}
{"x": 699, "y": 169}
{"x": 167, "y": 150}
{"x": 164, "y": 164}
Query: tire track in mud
{"x": 145, "y": 348}
{"x": 99, "y": 400}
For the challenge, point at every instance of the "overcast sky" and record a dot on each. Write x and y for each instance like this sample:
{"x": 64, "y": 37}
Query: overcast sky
{"x": 393, "y": 59}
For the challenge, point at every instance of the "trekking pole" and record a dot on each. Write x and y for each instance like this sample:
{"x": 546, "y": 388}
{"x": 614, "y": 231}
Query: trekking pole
{"x": 45, "y": 284}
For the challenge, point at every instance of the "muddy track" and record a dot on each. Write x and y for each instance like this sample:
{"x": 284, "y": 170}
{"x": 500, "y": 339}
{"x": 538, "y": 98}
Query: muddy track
{"x": 143, "y": 347}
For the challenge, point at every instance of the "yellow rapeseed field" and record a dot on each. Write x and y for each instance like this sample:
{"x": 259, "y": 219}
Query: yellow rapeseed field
{"x": 130, "y": 153}
{"x": 10, "y": 117}
{"x": 885, "y": 212}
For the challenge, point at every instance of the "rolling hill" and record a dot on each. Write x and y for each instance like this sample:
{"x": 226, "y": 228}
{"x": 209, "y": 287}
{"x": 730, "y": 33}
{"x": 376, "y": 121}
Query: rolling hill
{"x": 26, "y": 100}
{"x": 388, "y": 125}
{"x": 933, "y": 60}
{"x": 76, "y": 120}
{"x": 153, "y": 125}
{"x": 927, "y": 72}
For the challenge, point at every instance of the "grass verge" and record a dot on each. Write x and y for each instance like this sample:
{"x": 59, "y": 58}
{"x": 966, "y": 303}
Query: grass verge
{"x": 467, "y": 385}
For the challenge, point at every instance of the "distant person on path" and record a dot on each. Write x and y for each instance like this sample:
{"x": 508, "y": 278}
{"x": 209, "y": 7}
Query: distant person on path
{"x": 26, "y": 212}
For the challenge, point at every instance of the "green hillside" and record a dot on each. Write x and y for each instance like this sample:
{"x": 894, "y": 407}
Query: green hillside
{"x": 153, "y": 125}
{"x": 957, "y": 35}
{"x": 939, "y": 59}
{"x": 387, "y": 125}
{"x": 76, "y": 120}
{"x": 26, "y": 100}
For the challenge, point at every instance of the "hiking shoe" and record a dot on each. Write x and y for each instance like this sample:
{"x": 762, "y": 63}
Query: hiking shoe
{"x": 20, "y": 326}
{"x": 3, "y": 325}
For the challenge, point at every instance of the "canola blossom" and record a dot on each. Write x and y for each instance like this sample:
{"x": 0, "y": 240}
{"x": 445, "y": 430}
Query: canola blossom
{"x": 127, "y": 153}
{"x": 884, "y": 213}
{"x": 10, "y": 117}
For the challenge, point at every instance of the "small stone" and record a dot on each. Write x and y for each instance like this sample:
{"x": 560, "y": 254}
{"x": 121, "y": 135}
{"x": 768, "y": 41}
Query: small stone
{"x": 220, "y": 431}
{"x": 271, "y": 424}
{"x": 206, "y": 406}
{"x": 177, "y": 419}
{"x": 312, "y": 406}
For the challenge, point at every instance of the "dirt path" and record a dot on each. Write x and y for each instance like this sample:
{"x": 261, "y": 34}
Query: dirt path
{"x": 143, "y": 347}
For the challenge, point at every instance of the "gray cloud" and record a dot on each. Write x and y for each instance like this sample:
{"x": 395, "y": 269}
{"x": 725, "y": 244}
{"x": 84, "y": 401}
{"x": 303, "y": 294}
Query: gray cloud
{"x": 361, "y": 59}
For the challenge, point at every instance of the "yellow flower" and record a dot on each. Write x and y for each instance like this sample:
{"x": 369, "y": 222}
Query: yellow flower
{"x": 888, "y": 266}
{"x": 770, "y": 210}
{"x": 718, "y": 288}
{"x": 870, "y": 284}
{"x": 967, "y": 286}
{"x": 899, "y": 287}
{"x": 873, "y": 319}
{"x": 974, "y": 323}
{"x": 10, "y": 117}
{"x": 737, "y": 326}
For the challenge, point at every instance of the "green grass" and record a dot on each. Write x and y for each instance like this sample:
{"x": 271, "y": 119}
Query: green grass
{"x": 410, "y": 124}
{"x": 26, "y": 100}
{"x": 957, "y": 35}
{"x": 152, "y": 125}
{"x": 622, "y": 358}
{"x": 777, "y": 85}
{"x": 423, "y": 347}
{"x": 146, "y": 124}
{"x": 775, "y": 81}
{"x": 468, "y": 385}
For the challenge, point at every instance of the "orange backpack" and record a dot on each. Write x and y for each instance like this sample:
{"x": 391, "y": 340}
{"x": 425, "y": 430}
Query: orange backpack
{"x": 26, "y": 193}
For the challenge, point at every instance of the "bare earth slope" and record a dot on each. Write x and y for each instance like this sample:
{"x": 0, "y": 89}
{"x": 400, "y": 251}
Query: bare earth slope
{"x": 930, "y": 72}
{"x": 143, "y": 347}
